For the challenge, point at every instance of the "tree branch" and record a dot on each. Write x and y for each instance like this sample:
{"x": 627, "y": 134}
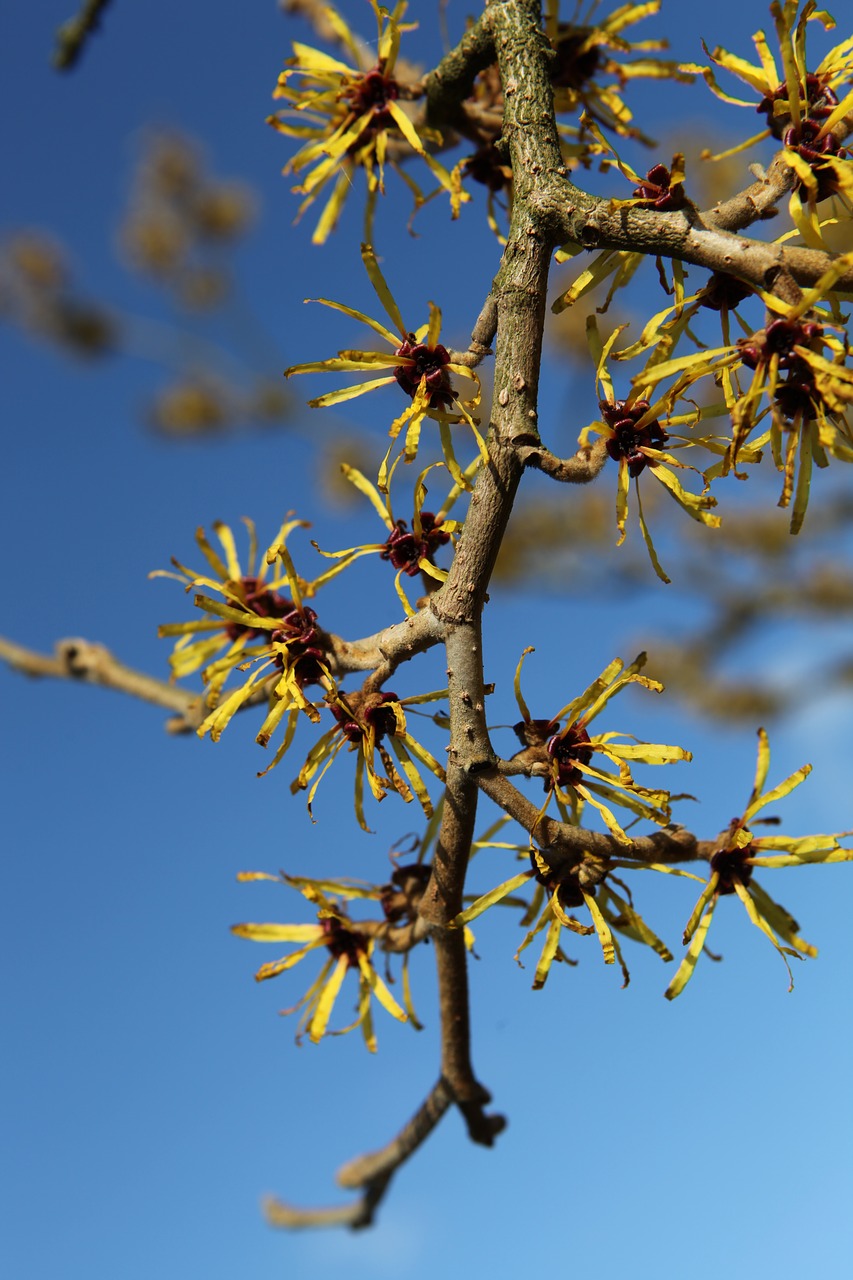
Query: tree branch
{"x": 447, "y": 87}
{"x": 371, "y": 1172}
{"x": 384, "y": 651}
{"x": 691, "y": 237}
{"x": 566, "y": 846}
{"x": 72, "y": 36}
{"x": 93, "y": 664}
{"x": 584, "y": 466}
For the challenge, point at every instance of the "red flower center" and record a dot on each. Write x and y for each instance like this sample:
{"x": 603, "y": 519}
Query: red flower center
{"x": 821, "y": 101}
{"x": 488, "y": 167}
{"x": 376, "y": 714}
{"x": 568, "y": 890}
{"x": 656, "y": 187}
{"x": 574, "y": 65}
{"x": 567, "y": 751}
{"x": 372, "y": 92}
{"x": 723, "y": 290}
{"x": 305, "y": 645}
{"x": 342, "y": 941}
{"x": 803, "y": 138}
{"x": 259, "y": 600}
{"x": 796, "y": 393}
{"x": 729, "y": 863}
{"x": 628, "y": 440}
{"x": 778, "y": 339}
{"x": 405, "y": 550}
{"x": 425, "y": 364}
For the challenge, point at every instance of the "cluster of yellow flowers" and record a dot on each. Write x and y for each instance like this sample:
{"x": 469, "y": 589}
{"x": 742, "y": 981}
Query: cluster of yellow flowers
{"x": 784, "y": 383}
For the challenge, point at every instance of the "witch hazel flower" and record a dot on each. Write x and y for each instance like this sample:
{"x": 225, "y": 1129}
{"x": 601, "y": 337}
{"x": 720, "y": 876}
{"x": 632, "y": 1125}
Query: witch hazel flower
{"x": 259, "y": 622}
{"x": 418, "y": 364}
{"x": 552, "y": 909}
{"x": 410, "y": 551}
{"x": 348, "y": 949}
{"x": 801, "y": 107}
{"x": 564, "y": 746}
{"x": 637, "y": 441}
{"x": 373, "y": 726}
{"x": 792, "y": 376}
{"x": 739, "y": 851}
{"x": 351, "y": 117}
{"x": 594, "y": 60}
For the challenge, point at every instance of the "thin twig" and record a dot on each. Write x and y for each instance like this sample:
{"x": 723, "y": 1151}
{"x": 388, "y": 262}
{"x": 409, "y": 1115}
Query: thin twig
{"x": 73, "y": 35}
{"x": 372, "y": 1172}
{"x": 90, "y": 663}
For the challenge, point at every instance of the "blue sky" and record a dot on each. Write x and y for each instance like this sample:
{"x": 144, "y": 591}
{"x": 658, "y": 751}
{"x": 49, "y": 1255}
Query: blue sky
{"x": 151, "y": 1093}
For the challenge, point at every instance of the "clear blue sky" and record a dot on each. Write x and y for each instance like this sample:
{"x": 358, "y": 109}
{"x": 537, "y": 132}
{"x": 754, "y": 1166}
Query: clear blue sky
{"x": 151, "y": 1094}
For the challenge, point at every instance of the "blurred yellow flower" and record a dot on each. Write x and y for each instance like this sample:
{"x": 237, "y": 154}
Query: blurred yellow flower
{"x": 587, "y": 76}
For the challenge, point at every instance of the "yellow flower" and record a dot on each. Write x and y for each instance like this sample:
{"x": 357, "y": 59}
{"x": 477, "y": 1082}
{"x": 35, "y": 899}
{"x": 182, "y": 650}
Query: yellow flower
{"x": 419, "y": 365}
{"x": 635, "y": 439}
{"x": 589, "y": 885}
{"x": 348, "y": 947}
{"x": 564, "y": 746}
{"x": 349, "y": 116}
{"x": 584, "y": 58}
{"x": 365, "y": 722}
{"x": 256, "y": 628}
{"x": 789, "y": 95}
{"x": 802, "y": 108}
{"x": 805, "y": 393}
{"x": 737, "y": 853}
{"x": 409, "y": 551}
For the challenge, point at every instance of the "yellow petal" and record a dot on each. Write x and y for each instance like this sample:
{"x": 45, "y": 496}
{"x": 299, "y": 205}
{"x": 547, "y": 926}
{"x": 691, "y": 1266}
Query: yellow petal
{"x": 489, "y": 899}
{"x": 685, "y": 970}
{"x": 379, "y": 989}
{"x": 602, "y": 928}
{"x": 546, "y": 956}
{"x": 383, "y": 293}
{"x": 778, "y": 793}
{"x": 320, "y": 1020}
{"x": 277, "y": 932}
{"x": 752, "y": 911}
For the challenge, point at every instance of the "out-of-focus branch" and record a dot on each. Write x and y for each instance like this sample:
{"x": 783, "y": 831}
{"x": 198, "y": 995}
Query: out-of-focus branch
{"x": 73, "y": 35}
{"x": 364, "y": 1170}
{"x": 93, "y": 664}
{"x": 372, "y": 1173}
